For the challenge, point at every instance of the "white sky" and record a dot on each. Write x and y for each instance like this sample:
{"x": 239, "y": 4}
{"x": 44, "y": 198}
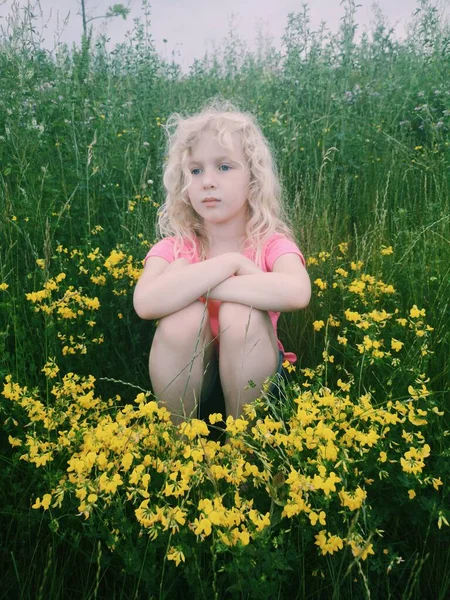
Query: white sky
{"x": 193, "y": 26}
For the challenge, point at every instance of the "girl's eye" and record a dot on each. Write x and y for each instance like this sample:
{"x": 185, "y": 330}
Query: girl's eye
{"x": 193, "y": 172}
{"x": 226, "y": 167}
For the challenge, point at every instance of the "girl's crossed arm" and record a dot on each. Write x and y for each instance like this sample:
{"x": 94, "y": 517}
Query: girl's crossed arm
{"x": 162, "y": 291}
{"x": 286, "y": 289}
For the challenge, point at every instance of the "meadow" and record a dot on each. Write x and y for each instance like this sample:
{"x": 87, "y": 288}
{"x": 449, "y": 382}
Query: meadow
{"x": 341, "y": 490}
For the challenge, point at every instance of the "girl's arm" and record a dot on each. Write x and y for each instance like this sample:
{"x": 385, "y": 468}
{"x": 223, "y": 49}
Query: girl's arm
{"x": 287, "y": 290}
{"x": 162, "y": 292}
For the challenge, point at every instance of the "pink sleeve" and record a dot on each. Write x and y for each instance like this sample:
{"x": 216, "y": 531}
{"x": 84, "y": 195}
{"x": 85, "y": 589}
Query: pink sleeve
{"x": 277, "y": 247}
{"x": 163, "y": 249}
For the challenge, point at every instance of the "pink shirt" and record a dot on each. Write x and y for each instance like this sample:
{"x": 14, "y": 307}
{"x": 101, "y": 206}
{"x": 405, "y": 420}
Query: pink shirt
{"x": 275, "y": 246}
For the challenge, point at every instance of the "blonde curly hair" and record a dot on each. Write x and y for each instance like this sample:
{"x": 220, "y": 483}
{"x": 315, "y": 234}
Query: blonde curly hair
{"x": 266, "y": 214}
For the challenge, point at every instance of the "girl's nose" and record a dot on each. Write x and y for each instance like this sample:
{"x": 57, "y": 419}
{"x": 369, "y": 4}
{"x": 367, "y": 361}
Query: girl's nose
{"x": 208, "y": 179}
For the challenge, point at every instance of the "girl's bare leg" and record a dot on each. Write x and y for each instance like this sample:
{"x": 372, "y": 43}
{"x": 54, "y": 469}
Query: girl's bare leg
{"x": 245, "y": 356}
{"x": 181, "y": 356}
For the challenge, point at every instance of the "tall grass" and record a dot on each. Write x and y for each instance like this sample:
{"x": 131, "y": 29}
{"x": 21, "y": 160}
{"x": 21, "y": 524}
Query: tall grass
{"x": 360, "y": 130}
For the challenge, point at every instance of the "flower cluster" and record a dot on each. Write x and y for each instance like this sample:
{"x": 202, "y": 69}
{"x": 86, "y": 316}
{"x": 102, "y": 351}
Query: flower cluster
{"x": 73, "y": 309}
{"x": 315, "y": 462}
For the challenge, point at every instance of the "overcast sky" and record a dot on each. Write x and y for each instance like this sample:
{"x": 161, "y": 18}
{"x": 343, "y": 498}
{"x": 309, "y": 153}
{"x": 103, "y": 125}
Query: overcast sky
{"x": 193, "y": 26}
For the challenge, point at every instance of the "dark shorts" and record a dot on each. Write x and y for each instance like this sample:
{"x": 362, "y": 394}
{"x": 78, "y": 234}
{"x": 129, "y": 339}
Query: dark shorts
{"x": 212, "y": 399}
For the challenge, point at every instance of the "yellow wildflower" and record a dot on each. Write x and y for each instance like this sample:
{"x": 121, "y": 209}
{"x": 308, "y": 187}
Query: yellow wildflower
{"x": 14, "y": 441}
{"x": 357, "y": 287}
{"x": 314, "y": 517}
{"x": 344, "y": 386}
{"x": 45, "y": 503}
{"x": 436, "y": 482}
{"x": 320, "y": 283}
{"x": 360, "y": 549}
{"x": 353, "y": 500}
{"x": 356, "y": 266}
{"x": 330, "y": 545}
{"x": 318, "y": 325}
{"x": 50, "y": 369}
{"x": 415, "y": 312}
{"x": 176, "y": 555}
{"x": 396, "y": 345}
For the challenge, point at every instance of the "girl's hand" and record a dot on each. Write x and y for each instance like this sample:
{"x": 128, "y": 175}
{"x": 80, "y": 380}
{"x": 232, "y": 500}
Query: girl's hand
{"x": 247, "y": 266}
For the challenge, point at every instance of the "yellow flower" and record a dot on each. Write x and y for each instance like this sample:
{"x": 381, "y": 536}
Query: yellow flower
{"x": 357, "y": 287}
{"x": 320, "y": 283}
{"x": 416, "y": 394}
{"x": 360, "y": 549}
{"x": 50, "y": 369}
{"x": 342, "y": 272}
{"x": 127, "y": 461}
{"x": 356, "y": 266}
{"x": 318, "y": 325}
{"x": 415, "y": 312}
{"x": 100, "y": 280}
{"x": 176, "y": 555}
{"x": 342, "y": 340}
{"x": 386, "y": 251}
{"x": 412, "y": 461}
{"x": 45, "y": 503}
{"x": 396, "y": 345}
{"x": 193, "y": 428}
{"x": 382, "y": 457}
{"x": 437, "y": 482}
{"x": 353, "y": 500}
{"x": 314, "y": 517}
{"x": 324, "y": 255}
{"x": 343, "y": 247}
{"x": 216, "y": 417}
{"x": 411, "y": 494}
{"x": 344, "y": 386}
{"x": 352, "y": 315}
{"x": 327, "y": 357}
{"x": 289, "y": 367}
{"x": 333, "y": 322}
{"x": 330, "y": 545}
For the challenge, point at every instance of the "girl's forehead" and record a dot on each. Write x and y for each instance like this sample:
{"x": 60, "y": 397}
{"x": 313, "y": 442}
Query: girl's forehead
{"x": 211, "y": 141}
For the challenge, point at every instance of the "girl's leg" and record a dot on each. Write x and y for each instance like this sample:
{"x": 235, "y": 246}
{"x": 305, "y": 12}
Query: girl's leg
{"x": 248, "y": 352}
{"x": 181, "y": 356}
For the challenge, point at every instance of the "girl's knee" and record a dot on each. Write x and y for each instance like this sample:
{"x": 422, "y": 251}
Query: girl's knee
{"x": 238, "y": 320}
{"x": 185, "y": 324}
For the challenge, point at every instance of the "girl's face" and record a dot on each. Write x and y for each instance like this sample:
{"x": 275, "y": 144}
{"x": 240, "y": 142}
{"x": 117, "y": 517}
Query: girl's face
{"x": 221, "y": 174}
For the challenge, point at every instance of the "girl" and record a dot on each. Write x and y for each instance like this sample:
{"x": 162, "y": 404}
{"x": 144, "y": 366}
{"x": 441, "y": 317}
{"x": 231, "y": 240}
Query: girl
{"x": 226, "y": 267}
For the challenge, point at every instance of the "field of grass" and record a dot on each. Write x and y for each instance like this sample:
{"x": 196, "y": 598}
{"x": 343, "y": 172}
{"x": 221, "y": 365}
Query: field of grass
{"x": 341, "y": 490}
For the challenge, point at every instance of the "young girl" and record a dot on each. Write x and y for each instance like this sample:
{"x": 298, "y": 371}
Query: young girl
{"x": 226, "y": 267}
